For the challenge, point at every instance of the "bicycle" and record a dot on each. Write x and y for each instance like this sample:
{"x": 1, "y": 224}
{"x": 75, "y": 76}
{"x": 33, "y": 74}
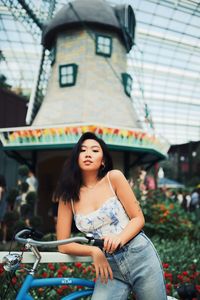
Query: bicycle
{"x": 27, "y": 237}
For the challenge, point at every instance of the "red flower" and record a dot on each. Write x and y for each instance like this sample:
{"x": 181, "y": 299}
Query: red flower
{"x": 44, "y": 275}
{"x": 78, "y": 265}
{"x": 168, "y": 287}
{"x": 165, "y": 266}
{"x": 198, "y": 288}
{"x": 64, "y": 268}
{"x": 185, "y": 273}
{"x": 168, "y": 275}
{"x": 60, "y": 291}
{"x": 51, "y": 267}
{"x": 180, "y": 277}
{"x": 64, "y": 287}
{"x": 80, "y": 287}
{"x": 60, "y": 271}
{"x": 14, "y": 280}
{"x": 1, "y": 269}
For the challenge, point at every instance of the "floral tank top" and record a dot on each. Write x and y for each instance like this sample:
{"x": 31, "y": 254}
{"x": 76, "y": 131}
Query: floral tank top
{"x": 110, "y": 218}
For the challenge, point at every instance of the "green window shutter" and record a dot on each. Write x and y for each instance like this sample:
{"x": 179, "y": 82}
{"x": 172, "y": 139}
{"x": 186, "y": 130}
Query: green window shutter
{"x": 127, "y": 83}
{"x": 103, "y": 45}
{"x": 68, "y": 74}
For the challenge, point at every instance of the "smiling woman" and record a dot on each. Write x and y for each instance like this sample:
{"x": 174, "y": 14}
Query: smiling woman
{"x": 102, "y": 203}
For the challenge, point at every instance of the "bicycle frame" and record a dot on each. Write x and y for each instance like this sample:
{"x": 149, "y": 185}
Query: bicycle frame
{"x": 31, "y": 282}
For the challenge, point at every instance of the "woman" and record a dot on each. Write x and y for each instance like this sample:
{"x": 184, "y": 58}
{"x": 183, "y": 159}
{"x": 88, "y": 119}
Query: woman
{"x": 102, "y": 203}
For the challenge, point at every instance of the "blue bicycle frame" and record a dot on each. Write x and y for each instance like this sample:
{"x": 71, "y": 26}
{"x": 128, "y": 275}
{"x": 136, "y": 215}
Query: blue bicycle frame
{"x": 12, "y": 261}
{"x": 31, "y": 282}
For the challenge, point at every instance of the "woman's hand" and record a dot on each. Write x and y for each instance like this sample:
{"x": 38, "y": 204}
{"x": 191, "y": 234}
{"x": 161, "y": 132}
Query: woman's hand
{"x": 102, "y": 266}
{"x": 111, "y": 243}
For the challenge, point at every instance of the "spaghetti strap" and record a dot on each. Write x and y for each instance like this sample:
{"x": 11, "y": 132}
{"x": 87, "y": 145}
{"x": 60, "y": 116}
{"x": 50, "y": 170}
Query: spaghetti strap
{"x": 72, "y": 204}
{"x": 110, "y": 184}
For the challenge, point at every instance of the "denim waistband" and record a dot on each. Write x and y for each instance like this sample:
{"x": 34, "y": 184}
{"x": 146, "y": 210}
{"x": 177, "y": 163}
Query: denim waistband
{"x": 124, "y": 248}
{"x": 129, "y": 242}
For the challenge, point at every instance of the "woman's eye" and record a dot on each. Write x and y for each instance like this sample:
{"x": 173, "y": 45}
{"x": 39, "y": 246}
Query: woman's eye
{"x": 95, "y": 150}
{"x": 82, "y": 150}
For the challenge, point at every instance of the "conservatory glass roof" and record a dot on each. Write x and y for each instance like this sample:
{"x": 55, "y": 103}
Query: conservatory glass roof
{"x": 164, "y": 63}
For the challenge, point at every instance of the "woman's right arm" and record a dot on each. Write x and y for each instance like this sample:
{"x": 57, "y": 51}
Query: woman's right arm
{"x": 64, "y": 225}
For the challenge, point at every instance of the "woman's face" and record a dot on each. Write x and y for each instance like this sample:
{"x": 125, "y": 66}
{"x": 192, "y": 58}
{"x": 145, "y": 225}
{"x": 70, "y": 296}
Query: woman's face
{"x": 90, "y": 156}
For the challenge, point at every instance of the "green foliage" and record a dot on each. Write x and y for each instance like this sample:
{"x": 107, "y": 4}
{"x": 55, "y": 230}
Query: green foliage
{"x": 180, "y": 262}
{"x": 165, "y": 217}
{"x": 182, "y": 253}
{"x": 77, "y": 269}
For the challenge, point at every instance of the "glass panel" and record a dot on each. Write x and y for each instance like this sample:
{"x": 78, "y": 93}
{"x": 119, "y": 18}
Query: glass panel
{"x": 63, "y": 71}
{"x": 69, "y": 70}
{"x": 64, "y": 80}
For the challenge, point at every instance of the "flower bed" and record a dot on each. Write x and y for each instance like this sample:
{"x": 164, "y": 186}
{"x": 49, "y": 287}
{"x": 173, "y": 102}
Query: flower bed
{"x": 180, "y": 263}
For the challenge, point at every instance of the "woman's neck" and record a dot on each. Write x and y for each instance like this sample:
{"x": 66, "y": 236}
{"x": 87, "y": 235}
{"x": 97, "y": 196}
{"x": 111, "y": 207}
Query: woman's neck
{"x": 90, "y": 180}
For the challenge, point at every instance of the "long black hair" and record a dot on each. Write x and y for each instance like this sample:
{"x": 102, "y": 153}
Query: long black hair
{"x": 70, "y": 181}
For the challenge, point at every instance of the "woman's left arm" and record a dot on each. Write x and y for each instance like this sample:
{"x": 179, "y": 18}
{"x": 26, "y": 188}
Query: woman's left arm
{"x": 132, "y": 208}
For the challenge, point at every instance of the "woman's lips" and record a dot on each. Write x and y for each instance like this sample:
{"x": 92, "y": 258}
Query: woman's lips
{"x": 87, "y": 162}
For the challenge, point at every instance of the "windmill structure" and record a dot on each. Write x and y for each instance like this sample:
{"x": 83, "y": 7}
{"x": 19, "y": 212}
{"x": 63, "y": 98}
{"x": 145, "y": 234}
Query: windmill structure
{"x": 82, "y": 81}
{"x": 82, "y": 85}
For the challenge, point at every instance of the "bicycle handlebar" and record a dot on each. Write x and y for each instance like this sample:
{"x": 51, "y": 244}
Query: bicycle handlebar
{"x": 25, "y": 236}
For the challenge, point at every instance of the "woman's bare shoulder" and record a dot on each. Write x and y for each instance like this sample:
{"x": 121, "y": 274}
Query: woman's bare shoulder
{"x": 116, "y": 175}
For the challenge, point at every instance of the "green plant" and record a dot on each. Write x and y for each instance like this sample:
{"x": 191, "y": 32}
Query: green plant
{"x": 180, "y": 262}
{"x": 165, "y": 217}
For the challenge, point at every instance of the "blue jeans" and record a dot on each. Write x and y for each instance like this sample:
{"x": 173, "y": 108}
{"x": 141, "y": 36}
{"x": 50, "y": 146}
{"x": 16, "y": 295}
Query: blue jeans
{"x": 136, "y": 267}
